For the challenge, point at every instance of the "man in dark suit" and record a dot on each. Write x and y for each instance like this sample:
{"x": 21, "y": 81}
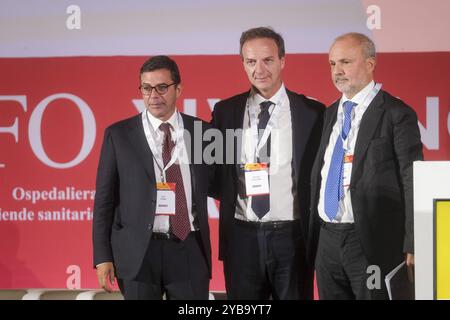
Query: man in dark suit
{"x": 263, "y": 186}
{"x": 362, "y": 193}
{"x": 150, "y": 227}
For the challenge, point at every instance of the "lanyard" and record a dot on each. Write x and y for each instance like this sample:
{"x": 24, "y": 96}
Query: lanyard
{"x": 150, "y": 134}
{"x": 357, "y": 121}
{"x": 254, "y": 127}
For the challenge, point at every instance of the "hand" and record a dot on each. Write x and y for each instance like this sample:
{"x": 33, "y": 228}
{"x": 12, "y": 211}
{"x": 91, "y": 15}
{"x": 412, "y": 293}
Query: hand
{"x": 105, "y": 276}
{"x": 410, "y": 266}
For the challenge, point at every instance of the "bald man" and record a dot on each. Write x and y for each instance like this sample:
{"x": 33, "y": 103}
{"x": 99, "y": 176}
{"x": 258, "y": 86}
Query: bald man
{"x": 361, "y": 190}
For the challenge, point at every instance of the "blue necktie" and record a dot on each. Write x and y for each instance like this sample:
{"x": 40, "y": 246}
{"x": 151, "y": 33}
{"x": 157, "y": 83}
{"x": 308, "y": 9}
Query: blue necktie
{"x": 261, "y": 204}
{"x": 334, "y": 189}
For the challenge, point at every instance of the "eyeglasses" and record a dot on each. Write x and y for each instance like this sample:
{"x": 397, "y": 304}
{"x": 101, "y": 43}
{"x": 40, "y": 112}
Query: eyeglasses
{"x": 162, "y": 88}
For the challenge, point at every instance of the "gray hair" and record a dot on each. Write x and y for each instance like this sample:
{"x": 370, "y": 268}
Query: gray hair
{"x": 364, "y": 41}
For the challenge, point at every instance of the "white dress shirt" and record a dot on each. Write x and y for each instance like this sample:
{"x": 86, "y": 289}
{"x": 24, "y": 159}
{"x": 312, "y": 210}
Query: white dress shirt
{"x": 345, "y": 210}
{"x": 280, "y": 169}
{"x": 162, "y": 222}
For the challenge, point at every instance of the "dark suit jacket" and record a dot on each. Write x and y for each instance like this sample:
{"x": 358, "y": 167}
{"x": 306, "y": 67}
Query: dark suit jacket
{"x": 125, "y": 199}
{"x": 306, "y": 115}
{"x": 381, "y": 183}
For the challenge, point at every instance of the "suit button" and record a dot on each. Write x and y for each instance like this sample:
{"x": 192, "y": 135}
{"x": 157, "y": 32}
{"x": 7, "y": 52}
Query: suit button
{"x": 153, "y": 200}
{"x": 150, "y": 226}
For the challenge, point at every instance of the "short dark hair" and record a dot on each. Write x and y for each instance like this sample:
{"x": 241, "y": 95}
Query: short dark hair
{"x": 262, "y": 32}
{"x": 162, "y": 62}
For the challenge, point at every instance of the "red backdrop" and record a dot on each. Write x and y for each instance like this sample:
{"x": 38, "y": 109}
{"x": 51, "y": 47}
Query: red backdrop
{"x": 57, "y": 254}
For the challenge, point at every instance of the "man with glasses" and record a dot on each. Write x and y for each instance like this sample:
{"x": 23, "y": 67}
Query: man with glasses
{"x": 150, "y": 227}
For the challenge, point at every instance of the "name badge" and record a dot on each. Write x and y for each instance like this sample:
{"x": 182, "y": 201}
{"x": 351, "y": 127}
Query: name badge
{"x": 348, "y": 164}
{"x": 256, "y": 179}
{"x": 165, "y": 198}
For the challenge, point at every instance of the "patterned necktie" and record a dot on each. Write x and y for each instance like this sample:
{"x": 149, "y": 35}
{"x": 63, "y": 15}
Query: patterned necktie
{"x": 261, "y": 204}
{"x": 334, "y": 189}
{"x": 180, "y": 221}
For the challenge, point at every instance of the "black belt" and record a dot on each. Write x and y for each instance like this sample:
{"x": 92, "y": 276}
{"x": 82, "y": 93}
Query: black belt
{"x": 268, "y": 225}
{"x": 163, "y": 236}
{"x": 167, "y": 236}
{"x": 337, "y": 226}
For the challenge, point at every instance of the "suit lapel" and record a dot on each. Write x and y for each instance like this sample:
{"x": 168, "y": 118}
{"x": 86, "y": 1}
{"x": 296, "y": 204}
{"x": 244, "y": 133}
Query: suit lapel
{"x": 137, "y": 138}
{"x": 367, "y": 129}
{"x": 238, "y": 122}
{"x": 188, "y": 124}
{"x": 239, "y": 111}
{"x": 329, "y": 121}
{"x": 298, "y": 139}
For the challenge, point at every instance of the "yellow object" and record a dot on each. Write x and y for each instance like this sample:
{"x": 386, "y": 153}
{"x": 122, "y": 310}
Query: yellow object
{"x": 442, "y": 252}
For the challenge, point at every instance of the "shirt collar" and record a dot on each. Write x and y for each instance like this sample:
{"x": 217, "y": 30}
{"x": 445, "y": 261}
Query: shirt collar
{"x": 257, "y": 98}
{"x": 155, "y": 122}
{"x": 361, "y": 95}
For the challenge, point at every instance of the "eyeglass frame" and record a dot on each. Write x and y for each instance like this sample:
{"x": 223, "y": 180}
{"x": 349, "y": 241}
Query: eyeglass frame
{"x": 156, "y": 88}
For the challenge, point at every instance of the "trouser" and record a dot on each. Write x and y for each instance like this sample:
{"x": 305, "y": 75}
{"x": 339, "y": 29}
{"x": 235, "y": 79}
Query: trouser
{"x": 174, "y": 268}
